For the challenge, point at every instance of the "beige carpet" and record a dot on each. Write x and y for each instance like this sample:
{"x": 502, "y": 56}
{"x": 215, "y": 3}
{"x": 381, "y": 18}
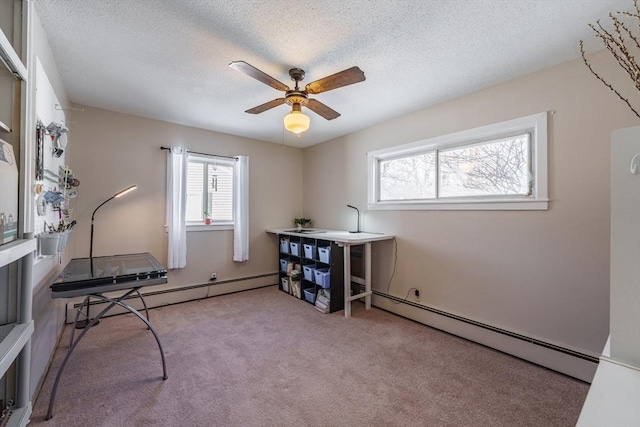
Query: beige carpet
{"x": 263, "y": 358}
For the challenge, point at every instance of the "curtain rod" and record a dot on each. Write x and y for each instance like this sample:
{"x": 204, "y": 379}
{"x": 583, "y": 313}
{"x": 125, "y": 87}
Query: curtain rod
{"x": 204, "y": 154}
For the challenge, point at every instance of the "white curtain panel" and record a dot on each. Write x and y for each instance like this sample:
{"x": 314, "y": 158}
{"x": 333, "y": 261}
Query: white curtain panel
{"x": 177, "y": 206}
{"x": 241, "y": 210}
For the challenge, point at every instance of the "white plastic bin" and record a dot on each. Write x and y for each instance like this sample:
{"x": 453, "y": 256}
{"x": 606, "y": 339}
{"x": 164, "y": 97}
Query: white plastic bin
{"x": 285, "y": 284}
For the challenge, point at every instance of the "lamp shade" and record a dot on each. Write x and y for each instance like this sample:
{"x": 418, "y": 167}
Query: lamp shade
{"x": 296, "y": 122}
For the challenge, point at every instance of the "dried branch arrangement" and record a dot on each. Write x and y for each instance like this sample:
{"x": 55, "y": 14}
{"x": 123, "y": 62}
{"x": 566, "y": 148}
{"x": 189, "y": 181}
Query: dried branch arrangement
{"x": 621, "y": 42}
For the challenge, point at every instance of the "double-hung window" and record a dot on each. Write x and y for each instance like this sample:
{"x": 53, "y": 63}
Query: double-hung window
{"x": 210, "y": 192}
{"x": 502, "y": 166}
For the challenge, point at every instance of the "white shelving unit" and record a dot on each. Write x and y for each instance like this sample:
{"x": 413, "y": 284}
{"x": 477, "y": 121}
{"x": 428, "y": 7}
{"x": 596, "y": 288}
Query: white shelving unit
{"x": 15, "y": 337}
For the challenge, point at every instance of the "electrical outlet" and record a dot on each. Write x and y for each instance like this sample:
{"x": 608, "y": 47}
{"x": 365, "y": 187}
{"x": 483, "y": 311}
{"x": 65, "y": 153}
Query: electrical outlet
{"x": 214, "y": 276}
{"x": 416, "y": 294}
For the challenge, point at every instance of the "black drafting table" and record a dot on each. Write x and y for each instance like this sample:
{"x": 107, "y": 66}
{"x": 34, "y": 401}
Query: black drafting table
{"x": 91, "y": 277}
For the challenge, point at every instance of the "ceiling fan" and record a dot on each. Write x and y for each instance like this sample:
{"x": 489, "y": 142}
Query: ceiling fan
{"x": 296, "y": 121}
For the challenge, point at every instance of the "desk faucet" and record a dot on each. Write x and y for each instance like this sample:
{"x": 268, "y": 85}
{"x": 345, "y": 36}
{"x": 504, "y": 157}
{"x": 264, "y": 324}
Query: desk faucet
{"x": 358, "y": 228}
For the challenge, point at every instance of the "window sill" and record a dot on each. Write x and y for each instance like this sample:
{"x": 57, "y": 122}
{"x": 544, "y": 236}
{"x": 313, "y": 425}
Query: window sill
{"x": 210, "y": 227}
{"x": 465, "y": 205}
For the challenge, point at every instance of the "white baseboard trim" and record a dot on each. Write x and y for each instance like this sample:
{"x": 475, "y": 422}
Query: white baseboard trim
{"x": 567, "y": 361}
{"x": 170, "y": 296}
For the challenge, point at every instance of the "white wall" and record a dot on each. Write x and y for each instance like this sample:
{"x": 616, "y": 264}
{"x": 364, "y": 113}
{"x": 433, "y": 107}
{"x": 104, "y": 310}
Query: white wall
{"x": 111, "y": 151}
{"x": 544, "y": 274}
{"x": 48, "y": 314}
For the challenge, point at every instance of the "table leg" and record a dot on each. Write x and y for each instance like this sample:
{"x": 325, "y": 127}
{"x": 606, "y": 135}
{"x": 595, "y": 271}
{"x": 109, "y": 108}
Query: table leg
{"x": 83, "y": 323}
{"x": 92, "y": 322}
{"x": 367, "y": 275}
{"x": 72, "y": 346}
{"x": 347, "y": 280}
{"x": 144, "y": 303}
{"x": 141, "y": 317}
{"x": 75, "y": 321}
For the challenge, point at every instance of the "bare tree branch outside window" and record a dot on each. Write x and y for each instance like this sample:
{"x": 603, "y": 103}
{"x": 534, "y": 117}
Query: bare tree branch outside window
{"x": 408, "y": 178}
{"x": 499, "y": 167}
{"x": 487, "y": 169}
{"x": 624, "y": 46}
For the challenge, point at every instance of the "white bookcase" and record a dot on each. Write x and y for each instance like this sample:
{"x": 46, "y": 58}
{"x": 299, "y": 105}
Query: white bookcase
{"x": 17, "y": 256}
{"x": 15, "y": 337}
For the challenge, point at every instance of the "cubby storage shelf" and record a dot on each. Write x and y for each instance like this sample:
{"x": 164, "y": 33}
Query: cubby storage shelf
{"x": 334, "y": 262}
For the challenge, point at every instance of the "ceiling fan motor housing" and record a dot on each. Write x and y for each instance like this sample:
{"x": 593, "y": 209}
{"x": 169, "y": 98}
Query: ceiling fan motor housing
{"x": 296, "y": 97}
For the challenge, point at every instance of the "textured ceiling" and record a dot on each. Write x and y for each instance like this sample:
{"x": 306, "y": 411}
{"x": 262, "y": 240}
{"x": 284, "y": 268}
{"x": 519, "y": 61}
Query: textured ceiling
{"x": 168, "y": 59}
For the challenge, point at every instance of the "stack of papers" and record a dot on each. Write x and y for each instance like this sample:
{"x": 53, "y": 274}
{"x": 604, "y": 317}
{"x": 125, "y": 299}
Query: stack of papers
{"x": 323, "y": 301}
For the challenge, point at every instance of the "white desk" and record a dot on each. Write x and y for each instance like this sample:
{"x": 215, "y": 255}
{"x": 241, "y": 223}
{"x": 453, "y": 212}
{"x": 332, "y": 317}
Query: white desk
{"x": 345, "y": 239}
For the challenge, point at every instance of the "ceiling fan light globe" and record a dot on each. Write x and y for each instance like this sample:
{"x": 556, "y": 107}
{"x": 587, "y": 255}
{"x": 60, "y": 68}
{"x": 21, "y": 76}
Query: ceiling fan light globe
{"x": 296, "y": 122}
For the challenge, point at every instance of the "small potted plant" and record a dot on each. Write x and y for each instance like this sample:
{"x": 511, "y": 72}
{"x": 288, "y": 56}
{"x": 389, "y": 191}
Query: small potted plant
{"x": 301, "y": 222}
{"x": 207, "y": 218}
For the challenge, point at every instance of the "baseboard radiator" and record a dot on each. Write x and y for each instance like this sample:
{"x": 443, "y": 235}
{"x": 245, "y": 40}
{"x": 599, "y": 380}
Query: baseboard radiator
{"x": 565, "y": 360}
{"x": 169, "y": 296}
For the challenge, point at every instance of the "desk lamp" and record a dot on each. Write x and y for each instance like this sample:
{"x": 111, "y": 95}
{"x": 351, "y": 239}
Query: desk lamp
{"x": 357, "y": 210}
{"x": 82, "y": 324}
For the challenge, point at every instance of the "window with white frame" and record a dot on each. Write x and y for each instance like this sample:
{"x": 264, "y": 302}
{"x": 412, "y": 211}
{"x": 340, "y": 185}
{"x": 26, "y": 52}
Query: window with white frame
{"x": 502, "y": 166}
{"x": 210, "y": 190}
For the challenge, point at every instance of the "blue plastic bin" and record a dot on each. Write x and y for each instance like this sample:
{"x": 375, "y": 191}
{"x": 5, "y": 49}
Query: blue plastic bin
{"x": 294, "y": 247}
{"x": 284, "y": 246}
{"x": 325, "y": 254}
{"x": 309, "y": 251}
{"x": 323, "y": 277}
{"x": 308, "y": 270}
{"x": 310, "y": 295}
{"x": 283, "y": 265}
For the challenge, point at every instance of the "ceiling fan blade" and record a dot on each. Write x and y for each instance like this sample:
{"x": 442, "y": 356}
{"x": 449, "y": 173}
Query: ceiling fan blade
{"x": 266, "y": 106}
{"x": 252, "y": 71}
{"x": 343, "y": 78}
{"x": 322, "y": 110}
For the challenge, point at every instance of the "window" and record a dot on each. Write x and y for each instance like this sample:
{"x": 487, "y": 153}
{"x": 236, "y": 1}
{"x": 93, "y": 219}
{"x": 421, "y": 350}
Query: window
{"x": 502, "y": 166}
{"x": 209, "y": 190}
